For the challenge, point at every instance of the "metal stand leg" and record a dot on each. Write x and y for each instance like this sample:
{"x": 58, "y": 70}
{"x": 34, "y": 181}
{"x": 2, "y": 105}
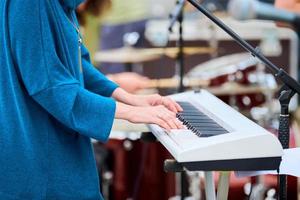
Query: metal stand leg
{"x": 223, "y": 186}
{"x": 284, "y": 133}
{"x": 209, "y": 186}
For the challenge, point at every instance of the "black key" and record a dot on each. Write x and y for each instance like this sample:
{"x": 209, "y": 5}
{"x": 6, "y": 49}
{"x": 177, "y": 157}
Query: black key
{"x": 198, "y": 122}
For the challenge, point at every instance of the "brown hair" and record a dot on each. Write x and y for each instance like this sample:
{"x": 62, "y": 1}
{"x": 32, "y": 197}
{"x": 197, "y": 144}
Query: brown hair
{"x": 93, "y": 7}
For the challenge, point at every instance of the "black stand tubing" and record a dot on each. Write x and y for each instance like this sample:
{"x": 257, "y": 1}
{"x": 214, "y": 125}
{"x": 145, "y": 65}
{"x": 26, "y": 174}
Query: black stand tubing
{"x": 177, "y": 15}
{"x": 284, "y": 134}
{"x": 180, "y": 56}
{"x": 291, "y": 86}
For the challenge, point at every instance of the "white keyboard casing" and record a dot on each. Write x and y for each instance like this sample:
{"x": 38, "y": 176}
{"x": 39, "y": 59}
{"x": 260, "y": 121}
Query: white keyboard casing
{"x": 245, "y": 139}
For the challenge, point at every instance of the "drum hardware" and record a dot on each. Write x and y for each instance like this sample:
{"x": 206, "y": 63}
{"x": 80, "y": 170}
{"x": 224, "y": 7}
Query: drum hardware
{"x": 260, "y": 115}
{"x": 271, "y": 193}
{"x": 255, "y": 191}
{"x": 194, "y": 185}
{"x": 247, "y": 189}
{"x": 258, "y": 192}
{"x": 270, "y": 43}
{"x": 107, "y": 179}
{"x": 130, "y": 39}
{"x": 213, "y": 41}
{"x": 127, "y": 144}
{"x": 246, "y": 100}
{"x": 232, "y": 98}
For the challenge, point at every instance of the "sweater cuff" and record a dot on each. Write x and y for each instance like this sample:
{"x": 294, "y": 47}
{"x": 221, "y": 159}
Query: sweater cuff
{"x": 106, "y": 126}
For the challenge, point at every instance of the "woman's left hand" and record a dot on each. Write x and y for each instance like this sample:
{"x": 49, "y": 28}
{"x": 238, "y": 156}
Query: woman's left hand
{"x": 146, "y": 100}
{"x": 156, "y": 99}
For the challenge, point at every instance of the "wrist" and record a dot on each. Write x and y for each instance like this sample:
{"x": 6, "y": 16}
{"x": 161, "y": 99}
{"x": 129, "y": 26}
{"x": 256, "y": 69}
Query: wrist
{"x": 123, "y": 111}
{"x": 121, "y": 95}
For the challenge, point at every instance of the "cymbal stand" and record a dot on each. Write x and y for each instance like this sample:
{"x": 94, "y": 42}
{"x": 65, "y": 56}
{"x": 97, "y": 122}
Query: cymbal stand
{"x": 290, "y": 87}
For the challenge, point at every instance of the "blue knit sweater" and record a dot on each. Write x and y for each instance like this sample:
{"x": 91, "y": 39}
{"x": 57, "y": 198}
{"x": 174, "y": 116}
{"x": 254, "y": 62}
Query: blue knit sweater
{"x": 49, "y": 106}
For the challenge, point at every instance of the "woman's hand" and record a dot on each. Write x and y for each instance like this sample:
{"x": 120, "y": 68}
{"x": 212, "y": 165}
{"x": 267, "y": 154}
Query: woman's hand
{"x": 159, "y": 115}
{"x": 156, "y": 99}
{"x": 145, "y": 100}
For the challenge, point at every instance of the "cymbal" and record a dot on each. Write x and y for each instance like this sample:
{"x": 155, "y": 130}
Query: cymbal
{"x": 224, "y": 65}
{"x": 173, "y": 51}
{"x": 139, "y": 55}
{"x": 238, "y": 89}
{"x": 125, "y": 55}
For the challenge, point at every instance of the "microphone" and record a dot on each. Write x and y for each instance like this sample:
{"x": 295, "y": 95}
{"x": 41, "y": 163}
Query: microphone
{"x": 253, "y": 9}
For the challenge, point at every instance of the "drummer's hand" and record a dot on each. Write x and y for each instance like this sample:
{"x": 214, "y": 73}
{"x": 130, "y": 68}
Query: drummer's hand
{"x": 159, "y": 115}
{"x": 130, "y": 81}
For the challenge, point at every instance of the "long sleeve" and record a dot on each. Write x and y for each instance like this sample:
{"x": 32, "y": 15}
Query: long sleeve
{"x": 94, "y": 80}
{"x": 46, "y": 68}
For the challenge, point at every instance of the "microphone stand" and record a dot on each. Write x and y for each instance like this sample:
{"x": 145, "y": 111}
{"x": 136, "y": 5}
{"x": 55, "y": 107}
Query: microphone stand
{"x": 288, "y": 90}
{"x": 177, "y": 15}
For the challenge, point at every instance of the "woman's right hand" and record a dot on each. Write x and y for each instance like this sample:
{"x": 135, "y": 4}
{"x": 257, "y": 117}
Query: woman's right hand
{"x": 159, "y": 115}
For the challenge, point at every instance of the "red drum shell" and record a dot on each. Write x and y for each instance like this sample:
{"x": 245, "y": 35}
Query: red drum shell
{"x": 236, "y": 68}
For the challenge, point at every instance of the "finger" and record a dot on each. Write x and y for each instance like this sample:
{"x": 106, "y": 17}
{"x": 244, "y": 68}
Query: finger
{"x": 179, "y": 124}
{"x": 171, "y": 120}
{"x": 162, "y": 124}
{"x": 171, "y": 123}
{"x": 169, "y": 112}
{"x": 178, "y": 107}
{"x": 169, "y": 104}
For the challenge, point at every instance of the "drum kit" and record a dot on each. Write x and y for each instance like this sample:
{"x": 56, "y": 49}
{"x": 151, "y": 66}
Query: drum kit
{"x": 238, "y": 79}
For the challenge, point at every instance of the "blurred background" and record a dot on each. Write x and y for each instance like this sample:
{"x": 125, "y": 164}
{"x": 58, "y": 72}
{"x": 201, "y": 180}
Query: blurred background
{"x": 130, "y": 42}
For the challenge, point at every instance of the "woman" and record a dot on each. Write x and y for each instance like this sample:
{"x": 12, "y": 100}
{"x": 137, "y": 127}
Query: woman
{"x": 52, "y": 101}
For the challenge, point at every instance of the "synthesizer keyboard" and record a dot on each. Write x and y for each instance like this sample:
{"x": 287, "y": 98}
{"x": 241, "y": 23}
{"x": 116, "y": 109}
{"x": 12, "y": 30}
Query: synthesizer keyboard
{"x": 216, "y": 132}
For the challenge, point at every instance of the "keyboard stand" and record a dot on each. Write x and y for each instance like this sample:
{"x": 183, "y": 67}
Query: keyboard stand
{"x": 224, "y": 166}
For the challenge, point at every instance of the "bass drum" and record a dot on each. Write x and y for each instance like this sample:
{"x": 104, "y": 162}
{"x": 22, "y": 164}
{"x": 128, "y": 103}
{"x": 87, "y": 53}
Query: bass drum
{"x": 235, "y": 68}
